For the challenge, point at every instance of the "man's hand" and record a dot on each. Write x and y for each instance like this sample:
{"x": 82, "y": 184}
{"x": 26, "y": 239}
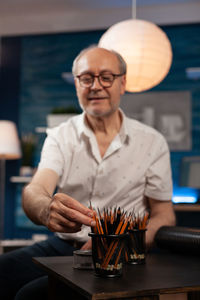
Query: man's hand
{"x": 59, "y": 212}
{"x": 66, "y": 214}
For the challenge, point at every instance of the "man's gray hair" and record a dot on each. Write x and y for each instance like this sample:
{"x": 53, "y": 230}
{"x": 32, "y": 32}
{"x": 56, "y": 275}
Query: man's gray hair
{"x": 122, "y": 63}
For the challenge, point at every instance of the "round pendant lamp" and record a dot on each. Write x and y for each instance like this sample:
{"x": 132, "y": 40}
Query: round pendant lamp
{"x": 145, "y": 48}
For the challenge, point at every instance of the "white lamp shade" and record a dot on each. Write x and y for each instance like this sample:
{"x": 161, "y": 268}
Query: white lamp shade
{"x": 9, "y": 141}
{"x": 145, "y": 48}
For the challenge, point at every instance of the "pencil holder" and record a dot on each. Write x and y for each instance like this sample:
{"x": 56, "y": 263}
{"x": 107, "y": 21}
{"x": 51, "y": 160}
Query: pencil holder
{"x": 107, "y": 254}
{"x": 136, "y": 249}
{"x": 83, "y": 259}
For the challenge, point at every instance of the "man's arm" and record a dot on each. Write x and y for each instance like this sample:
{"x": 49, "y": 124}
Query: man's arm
{"x": 59, "y": 212}
{"x": 161, "y": 214}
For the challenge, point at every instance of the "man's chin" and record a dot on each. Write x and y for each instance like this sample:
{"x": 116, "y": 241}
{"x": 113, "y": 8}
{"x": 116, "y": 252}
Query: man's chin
{"x": 99, "y": 113}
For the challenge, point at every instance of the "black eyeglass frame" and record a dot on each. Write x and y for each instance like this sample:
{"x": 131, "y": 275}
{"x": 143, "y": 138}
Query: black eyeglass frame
{"x": 99, "y": 80}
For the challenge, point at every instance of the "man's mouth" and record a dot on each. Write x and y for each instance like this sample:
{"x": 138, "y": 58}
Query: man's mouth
{"x": 96, "y": 98}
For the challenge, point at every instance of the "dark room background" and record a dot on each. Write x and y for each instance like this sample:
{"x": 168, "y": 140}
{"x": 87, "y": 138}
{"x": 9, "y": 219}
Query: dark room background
{"x": 31, "y": 85}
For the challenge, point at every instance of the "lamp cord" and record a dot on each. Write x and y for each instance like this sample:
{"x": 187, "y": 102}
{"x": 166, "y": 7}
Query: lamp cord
{"x": 134, "y": 9}
{"x": 2, "y": 196}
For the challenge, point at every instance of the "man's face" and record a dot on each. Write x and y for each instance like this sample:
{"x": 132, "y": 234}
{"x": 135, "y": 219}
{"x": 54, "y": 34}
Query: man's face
{"x": 96, "y": 100}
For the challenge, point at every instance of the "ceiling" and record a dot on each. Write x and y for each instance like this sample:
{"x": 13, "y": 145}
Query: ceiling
{"x": 19, "y": 17}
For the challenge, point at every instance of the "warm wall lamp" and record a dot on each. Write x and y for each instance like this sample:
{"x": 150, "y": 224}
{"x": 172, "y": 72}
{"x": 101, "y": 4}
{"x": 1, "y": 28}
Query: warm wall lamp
{"x": 145, "y": 48}
{"x": 9, "y": 149}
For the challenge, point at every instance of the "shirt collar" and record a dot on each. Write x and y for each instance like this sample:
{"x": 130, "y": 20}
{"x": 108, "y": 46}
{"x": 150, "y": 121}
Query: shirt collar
{"x": 124, "y": 133}
{"x": 83, "y": 128}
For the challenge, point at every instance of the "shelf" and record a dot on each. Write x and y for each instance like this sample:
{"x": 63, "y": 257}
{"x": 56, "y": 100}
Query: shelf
{"x": 40, "y": 129}
{"x": 9, "y": 245}
{"x": 187, "y": 207}
{"x": 20, "y": 179}
{"x": 16, "y": 242}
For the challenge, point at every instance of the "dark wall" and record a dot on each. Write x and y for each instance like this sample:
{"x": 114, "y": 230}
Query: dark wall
{"x": 10, "y": 78}
{"x": 185, "y": 41}
{"x": 9, "y": 110}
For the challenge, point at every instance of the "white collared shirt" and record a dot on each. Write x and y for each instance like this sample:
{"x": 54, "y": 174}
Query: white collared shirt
{"x": 135, "y": 165}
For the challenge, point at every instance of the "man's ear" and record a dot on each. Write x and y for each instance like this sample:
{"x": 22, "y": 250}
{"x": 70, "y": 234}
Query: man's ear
{"x": 123, "y": 85}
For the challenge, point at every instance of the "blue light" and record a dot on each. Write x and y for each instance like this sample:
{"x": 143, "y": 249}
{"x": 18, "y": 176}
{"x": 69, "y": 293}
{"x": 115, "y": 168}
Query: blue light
{"x": 184, "y": 199}
{"x": 185, "y": 195}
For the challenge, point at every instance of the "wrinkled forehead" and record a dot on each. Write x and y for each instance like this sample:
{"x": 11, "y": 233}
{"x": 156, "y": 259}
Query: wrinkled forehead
{"x": 96, "y": 61}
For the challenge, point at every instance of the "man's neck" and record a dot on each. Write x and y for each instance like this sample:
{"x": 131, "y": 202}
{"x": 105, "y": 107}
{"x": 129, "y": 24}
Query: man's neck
{"x": 105, "y": 129}
{"x": 105, "y": 125}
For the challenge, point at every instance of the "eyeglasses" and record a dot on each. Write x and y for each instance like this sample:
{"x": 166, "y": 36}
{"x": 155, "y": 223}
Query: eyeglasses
{"x": 105, "y": 79}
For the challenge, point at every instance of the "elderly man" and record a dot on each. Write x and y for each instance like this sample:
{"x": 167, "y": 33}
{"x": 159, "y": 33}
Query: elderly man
{"x": 99, "y": 156}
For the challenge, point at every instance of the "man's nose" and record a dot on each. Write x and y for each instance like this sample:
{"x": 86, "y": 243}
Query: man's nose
{"x": 96, "y": 84}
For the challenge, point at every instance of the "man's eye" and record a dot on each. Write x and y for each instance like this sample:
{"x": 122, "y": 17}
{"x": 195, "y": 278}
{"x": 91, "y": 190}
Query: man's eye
{"x": 107, "y": 78}
{"x": 86, "y": 78}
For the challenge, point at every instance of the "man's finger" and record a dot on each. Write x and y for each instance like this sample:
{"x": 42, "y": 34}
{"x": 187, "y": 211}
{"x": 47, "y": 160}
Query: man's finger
{"x": 77, "y": 217}
{"x": 73, "y": 204}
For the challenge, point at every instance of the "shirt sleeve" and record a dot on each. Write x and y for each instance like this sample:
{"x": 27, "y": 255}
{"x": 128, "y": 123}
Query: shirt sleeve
{"x": 158, "y": 175}
{"x": 51, "y": 155}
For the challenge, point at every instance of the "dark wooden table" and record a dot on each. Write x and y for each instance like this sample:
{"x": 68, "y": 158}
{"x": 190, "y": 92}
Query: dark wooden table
{"x": 163, "y": 273}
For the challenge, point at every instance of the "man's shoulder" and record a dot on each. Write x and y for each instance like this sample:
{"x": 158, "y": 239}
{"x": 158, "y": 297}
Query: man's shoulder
{"x": 69, "y": 125}
{"x": 145, "y": 134}
{"x": 67, "y": 128}
{"x": 134, "y": 125}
